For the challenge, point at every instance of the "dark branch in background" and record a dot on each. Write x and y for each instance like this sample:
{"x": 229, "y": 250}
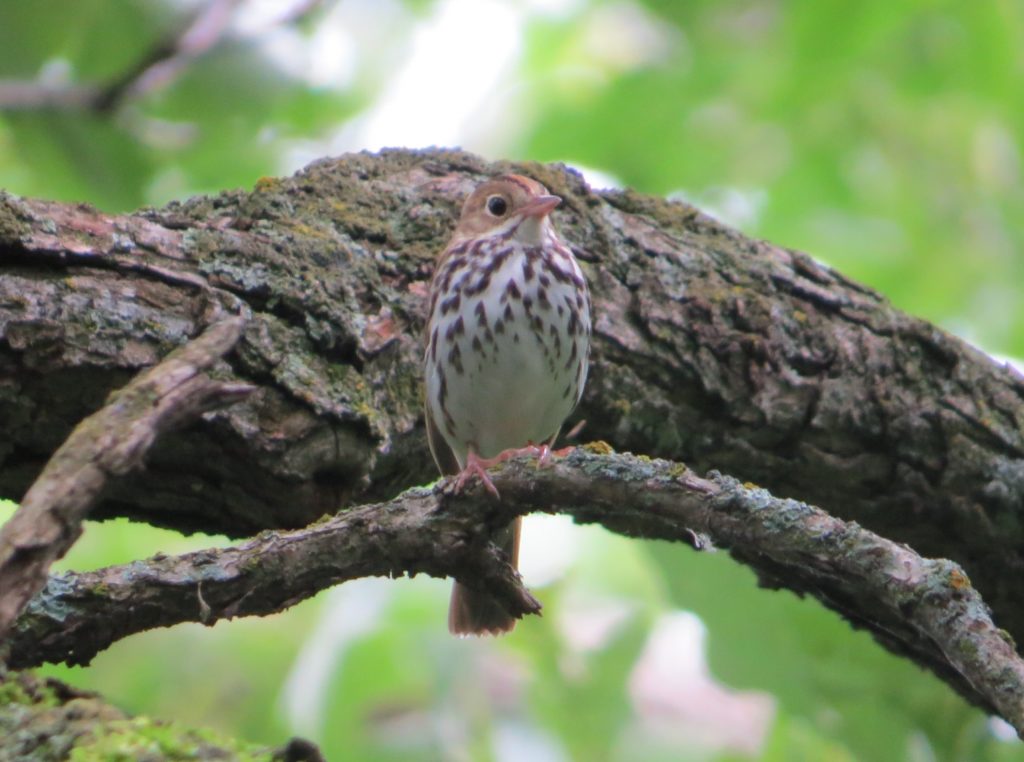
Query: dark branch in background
{"x": 21, "y": 95}
{"x": 105, "y": 445}
{"x": 166, "y": 62}
{"x": 160, "y": 67}
{"x": 922, "y": 608}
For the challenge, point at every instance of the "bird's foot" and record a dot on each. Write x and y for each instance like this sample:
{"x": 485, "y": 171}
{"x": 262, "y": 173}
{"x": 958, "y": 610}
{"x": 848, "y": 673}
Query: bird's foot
{"x": 543, "y": 453}
{"x": 560, "y": 453}
{"x": 477, "y": 466}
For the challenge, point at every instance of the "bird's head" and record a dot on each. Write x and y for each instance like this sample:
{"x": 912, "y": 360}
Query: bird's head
{"x": 508, "y": 204}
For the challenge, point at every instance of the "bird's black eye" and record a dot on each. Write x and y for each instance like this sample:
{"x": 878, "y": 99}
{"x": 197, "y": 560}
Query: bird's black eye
{"x": 497, "y": 206}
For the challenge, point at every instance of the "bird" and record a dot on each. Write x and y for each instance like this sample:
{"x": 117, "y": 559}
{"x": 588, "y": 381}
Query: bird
{"x": 507, "y": 349}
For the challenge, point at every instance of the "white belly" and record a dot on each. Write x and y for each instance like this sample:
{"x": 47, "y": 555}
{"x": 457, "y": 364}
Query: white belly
{"x": 512, "y": 375}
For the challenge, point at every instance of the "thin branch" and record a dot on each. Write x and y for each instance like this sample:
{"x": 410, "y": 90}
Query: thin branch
{"x": 919, "y": 607}
{"x": 107, "y": 444}
{"x": 34, "y": 95}
{"x": 158, "y": 68}
{"x": 166, "y": 62}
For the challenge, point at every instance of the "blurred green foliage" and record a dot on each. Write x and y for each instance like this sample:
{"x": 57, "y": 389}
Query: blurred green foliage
{"x": 884, "y": 138}
{"x": 220, "y": 125}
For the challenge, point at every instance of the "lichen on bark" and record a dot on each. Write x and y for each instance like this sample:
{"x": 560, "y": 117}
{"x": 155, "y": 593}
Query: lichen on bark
{"x": 44, "y": 720}
{"x": 709, "y": 348}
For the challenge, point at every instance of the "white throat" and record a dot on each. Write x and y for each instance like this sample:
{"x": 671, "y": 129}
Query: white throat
{"x": 533, "y": 231}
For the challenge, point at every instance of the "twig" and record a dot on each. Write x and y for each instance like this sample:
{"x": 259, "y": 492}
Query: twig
{"x": 108, "y": 443}
{"x": 159, "y": 68}
{"x": 28, "y": 95}
{"x": 161, "y": 65}
{"x": 922, "y": 608}
{"x": 167, "y": 61}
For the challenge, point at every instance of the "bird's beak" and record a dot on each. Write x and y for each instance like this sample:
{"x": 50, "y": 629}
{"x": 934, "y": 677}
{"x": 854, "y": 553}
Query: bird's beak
{"x": 540, "y": 206}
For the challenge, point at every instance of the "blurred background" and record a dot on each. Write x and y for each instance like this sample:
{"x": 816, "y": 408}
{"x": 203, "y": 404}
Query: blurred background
{"x": 883, "y": 138}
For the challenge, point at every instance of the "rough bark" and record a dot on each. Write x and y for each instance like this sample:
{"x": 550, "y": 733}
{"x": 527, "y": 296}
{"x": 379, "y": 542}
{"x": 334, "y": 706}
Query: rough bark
{"x": 709, "y": 348}
{"x": 922, "y": 608}
{"x": 48, "y": 721}
{"x": 105, "y": 445}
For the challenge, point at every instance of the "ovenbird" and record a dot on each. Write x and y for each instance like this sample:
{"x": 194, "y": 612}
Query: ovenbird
{"x": 508, "y": 339}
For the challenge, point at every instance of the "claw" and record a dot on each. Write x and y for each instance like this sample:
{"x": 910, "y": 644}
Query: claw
{"x": 544, "y": 453}
{"x": 477, "y": 466}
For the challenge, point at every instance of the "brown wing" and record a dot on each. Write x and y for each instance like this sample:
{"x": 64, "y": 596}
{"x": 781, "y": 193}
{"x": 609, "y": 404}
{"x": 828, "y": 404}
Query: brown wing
{"x": 445, "y": 459}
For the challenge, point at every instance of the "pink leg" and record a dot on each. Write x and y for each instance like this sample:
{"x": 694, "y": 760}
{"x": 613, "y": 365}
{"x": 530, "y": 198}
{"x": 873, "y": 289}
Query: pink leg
{"x": 546, "y": 454}
{"x": 543, "y": 455}
{"x": 478, "y": 466}
{"x": 514, "y": 452}
{"x": 542, "y": 452}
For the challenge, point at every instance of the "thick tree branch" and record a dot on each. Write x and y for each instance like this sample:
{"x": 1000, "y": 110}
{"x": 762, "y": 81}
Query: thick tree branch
{"x": 923, "y": 608}
{"x": 108, "y": 444}
{"x": 709, "y": 348}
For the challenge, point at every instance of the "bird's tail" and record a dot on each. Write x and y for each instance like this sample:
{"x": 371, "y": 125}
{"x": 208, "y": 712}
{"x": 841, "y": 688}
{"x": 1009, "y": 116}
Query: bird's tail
{"x": 472, "y": 612}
